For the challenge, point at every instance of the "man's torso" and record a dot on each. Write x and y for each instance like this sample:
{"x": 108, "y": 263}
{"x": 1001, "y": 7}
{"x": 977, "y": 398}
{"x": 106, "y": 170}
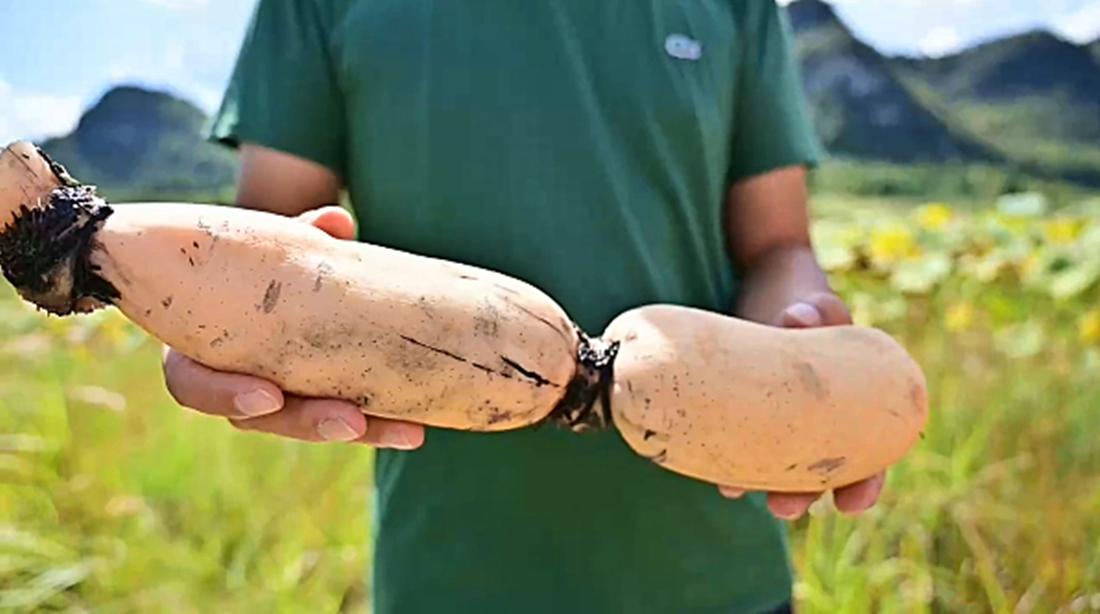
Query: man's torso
{"x": 583, "y": 146}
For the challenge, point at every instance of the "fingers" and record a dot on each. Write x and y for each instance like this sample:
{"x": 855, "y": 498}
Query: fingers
{"x": 332, "y": 219}
{"x": 216, "y": 393}
{"x": 853, "y": 499}
{"x": 791, "y": 506}
{"x": 253, "y": 404}
{"x": 318, "y": 420}
{"x": 785, "y": 506}
{"x": 817, "y": 309}
{"x": 833, "y": 310}
{"x": 800, "y": 315}
{"x": 382, "y": 433}
{"x": 822, "y": 309}
{"x": 859, "y": 497}
{"x": 731, "y": 492}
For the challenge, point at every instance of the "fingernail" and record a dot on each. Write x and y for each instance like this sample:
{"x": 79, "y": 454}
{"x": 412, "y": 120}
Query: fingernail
{"x": 258, "y": 402}
{"x": 803, "y": 313}
{"x": 786, "y": 513}
{"x": 398, "y": 438}
{"x": 335, "y": 429}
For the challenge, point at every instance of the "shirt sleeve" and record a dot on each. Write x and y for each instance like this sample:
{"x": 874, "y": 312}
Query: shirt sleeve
{"x": 284, "y": 92}
{"x": 772, "y": 124}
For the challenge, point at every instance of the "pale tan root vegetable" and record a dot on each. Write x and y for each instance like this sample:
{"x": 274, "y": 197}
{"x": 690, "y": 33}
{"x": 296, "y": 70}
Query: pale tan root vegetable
{"x": 405, "y": 336}
{"x": 449, "y": 345}
{"x": 741, "y": 404}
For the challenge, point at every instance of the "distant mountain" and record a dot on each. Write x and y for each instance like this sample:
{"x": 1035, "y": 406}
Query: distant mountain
{"x": 138, "y": 144}
{"x": 1094, "y": 47}
{"x": 1035, "y": 63}
{"x": 860, "y": 107}
{"x": 1033, "y": 97}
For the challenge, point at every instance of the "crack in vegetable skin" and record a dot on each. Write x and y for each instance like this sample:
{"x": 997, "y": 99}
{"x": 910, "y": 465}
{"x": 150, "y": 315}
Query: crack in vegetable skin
{"x": 534, "y": 376}
{"x": 703, "y": 395}
{"x": 531, "y": 375}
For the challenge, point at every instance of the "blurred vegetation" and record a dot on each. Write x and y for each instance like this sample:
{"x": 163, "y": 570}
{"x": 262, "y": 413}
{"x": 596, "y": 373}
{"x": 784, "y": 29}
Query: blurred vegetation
{"x": 112, "y": 499}
{"x": 1054, "y": 137}
{"x": 995, "y": 511}
{"x": 972, "y": 184}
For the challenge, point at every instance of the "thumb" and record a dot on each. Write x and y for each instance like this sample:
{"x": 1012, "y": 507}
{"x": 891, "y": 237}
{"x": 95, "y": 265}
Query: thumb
{"x": 332, "y": 219}
{"x": 800, "y": 315}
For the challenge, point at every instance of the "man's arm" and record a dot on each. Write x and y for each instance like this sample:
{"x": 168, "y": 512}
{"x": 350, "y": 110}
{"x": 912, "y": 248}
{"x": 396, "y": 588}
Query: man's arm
{"x": 281, "y": 183}
{"x": 769, "y": 239}
{"x": 288, "y": 185}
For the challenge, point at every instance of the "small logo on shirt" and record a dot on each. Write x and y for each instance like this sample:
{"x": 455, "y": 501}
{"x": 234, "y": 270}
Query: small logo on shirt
{"x": 683, "y": 48}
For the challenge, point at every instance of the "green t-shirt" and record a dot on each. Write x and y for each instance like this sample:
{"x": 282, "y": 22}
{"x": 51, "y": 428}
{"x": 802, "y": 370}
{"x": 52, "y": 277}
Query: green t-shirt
{"x": 584, "y": 146}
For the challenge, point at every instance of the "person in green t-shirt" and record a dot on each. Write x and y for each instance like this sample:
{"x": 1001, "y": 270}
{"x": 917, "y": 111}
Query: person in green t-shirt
{"x": 611, "y": 153}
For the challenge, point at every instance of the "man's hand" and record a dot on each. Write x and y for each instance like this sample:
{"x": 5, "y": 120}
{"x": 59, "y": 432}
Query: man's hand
{"x": 254, "y": 404}
{"x": 818, "y": 309}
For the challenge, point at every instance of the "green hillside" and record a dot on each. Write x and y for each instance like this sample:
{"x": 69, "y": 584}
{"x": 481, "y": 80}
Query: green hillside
{"x": 1032, "y": 64}
{"x": 1027, "y": 104}
{"x": 1032, "y": 98}
{"x": 860, "y": 107}
{"x": 137, "y": 144}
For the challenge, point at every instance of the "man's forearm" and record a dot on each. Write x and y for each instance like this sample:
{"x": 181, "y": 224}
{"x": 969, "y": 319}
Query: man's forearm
{"x": 776, "y": 280}
{"x": 281, "y": 183}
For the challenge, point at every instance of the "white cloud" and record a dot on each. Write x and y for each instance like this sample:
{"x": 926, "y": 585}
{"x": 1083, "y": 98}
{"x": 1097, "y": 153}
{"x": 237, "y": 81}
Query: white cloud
{"x": 940, "y": 41}
{"x": 940, "y": 5}
{"x": 180, "y": 5}
{"x": 32, "y": 115}
{"x": 918, "y": 3}
{"x": 173, "y": 68}
{"x": 173, "y": 59}
{"x": 119, "y": 71}
{"x": 208, "y": 98}
{"x": 1081, "y": 25}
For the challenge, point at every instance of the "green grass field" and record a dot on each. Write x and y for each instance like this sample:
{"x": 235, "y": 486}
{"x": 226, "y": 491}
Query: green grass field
{"x": 113, "y": 500}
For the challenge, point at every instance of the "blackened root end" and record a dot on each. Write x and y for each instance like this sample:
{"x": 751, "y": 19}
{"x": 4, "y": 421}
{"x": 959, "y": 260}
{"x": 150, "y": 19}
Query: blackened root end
{"x": 587, "y": 401}
{"x": 44, "y": 252}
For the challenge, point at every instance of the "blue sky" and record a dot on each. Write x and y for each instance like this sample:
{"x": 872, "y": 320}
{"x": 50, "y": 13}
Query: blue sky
{"x": 60, "y": 55}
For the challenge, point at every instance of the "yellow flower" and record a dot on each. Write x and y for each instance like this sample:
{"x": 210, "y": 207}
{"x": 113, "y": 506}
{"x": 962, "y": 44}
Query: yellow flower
{"x": 1088, "y": 328}
{"x": 892, "y": 244}
{"x": 1030, "y": 266}
{"x": 934, "y": 216}
{"x": 959, "y": 317}
{"x": 1062, "y": 231}
{"x": 1018, "y": 227}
